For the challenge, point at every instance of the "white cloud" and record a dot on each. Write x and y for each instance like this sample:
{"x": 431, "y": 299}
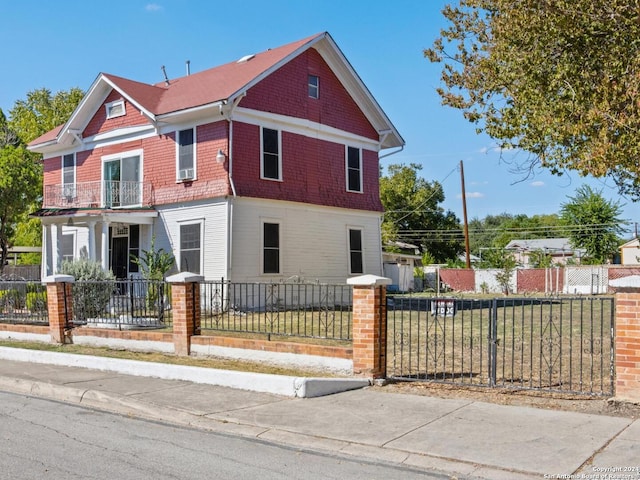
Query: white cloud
{"x": 537, "y": 183}
{"x": 472, "y": 195}
{"x": 153, "y": 7}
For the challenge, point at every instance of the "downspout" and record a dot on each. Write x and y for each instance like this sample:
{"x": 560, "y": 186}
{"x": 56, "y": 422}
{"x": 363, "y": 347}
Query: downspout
{"x": 233, "y": 187}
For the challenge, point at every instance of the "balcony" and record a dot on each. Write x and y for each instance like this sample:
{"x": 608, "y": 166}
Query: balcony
{"x": 107, "y": 194}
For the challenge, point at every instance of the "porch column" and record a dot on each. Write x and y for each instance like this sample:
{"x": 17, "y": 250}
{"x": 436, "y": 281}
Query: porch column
{"x": 46, "y": 269}
{"x": 369, "y": 325}
{"x": 92, "y": 240}
{"x": 105, "y": 246}
{"x": 58, "y": 250}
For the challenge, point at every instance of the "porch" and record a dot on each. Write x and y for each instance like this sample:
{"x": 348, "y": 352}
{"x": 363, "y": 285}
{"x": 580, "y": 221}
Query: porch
{"x": 98, "y": 194}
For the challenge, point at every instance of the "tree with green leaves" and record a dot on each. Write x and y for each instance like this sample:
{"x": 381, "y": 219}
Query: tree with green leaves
{"x": 20, "y": 186}
{"x": 594, "y": 224}
{"x": 558, "y": 79}
{"x": 21, "y": 179}
{"x": 413, "y": 214}
{"x": 42, "y": 111}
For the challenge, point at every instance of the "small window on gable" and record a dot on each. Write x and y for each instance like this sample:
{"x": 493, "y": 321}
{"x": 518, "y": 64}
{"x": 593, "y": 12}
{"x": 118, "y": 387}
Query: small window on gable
{"x": 354, "y": 170}
{"x": 314, "y": 86}
{"x": 115, "y": 109}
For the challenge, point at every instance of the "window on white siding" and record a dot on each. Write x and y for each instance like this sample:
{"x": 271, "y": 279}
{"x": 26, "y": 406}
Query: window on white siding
{"x": 271, "y": 166}
{"x": 314, "y": 86}
{"x": 68, "y": 244}
{"x": 356, "y": 262}
{"x": 69, "y": 175}
{"x": 190, "y": 247}
{"x": 354, "y": 169}
{"x": 134, "y": 247}
{"x": 186, "y": 154}
{"x": 271, "y": 247}
{"x": 115, "y": 109}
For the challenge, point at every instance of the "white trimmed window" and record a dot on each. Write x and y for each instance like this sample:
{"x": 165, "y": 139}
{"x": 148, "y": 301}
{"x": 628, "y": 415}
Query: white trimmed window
{"x": 271, "y": 165}
{"x": 353, "y": 165}
{"x": 270, "y": 247}
{"x": 69, "y": 175}
{"x": 121, "y": 179}
{"x": 191, "y": 247}
{"x": 68, "y": 246}
{"x": 186, "y": 154}
{"x": 356, "y": 257}
{"x": 314, "y": 86}
{"x": 115, "y": 109}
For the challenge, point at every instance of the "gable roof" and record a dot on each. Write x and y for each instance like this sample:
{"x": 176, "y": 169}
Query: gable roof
{"x": 219, "y": 86}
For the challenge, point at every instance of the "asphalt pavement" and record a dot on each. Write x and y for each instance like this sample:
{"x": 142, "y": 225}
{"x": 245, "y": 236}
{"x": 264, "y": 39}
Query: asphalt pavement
{"x": 462, "y": 438}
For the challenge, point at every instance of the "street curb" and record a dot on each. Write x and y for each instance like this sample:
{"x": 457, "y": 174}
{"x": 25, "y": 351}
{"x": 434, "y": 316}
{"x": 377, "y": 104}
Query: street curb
{"x": 290, "y": 386}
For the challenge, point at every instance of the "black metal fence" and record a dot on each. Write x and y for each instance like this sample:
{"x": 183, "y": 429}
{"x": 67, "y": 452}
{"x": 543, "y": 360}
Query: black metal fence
{"x": 122, "y": 304}
{"x": 310, "y": 310}
{"x": 555, "y": 344}
{"x": 22, "y": 301}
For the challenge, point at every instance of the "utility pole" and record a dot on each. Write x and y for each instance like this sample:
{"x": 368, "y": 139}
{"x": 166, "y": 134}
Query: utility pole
{"x": 464, "y": 213}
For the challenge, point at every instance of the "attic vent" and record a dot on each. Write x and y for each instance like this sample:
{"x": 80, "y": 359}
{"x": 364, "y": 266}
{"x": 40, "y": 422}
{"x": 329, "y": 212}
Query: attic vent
{"x": 246, "y": 58}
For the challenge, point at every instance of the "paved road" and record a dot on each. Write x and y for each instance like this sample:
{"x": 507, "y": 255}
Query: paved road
{"x": 45, "y": 439}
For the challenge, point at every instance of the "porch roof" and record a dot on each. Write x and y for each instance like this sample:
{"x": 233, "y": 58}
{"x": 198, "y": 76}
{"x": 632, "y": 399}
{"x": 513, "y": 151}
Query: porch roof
{"x": 77, "y": 216}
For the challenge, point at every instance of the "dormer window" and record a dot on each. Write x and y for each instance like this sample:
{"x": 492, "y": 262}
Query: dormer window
{"x": 115, "y": 109}
{"x": 314, "y": 86}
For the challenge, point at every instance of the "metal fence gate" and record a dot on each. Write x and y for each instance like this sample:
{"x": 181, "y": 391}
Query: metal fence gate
{"x": 554, "y": 344}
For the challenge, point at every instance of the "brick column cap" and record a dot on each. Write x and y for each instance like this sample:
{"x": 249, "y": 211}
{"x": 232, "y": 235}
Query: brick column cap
{"x": 185, "y": 277}
{"x": 368, "y": 281}
{"x": 629, "y": 284}
{"x": 58, "y": 278}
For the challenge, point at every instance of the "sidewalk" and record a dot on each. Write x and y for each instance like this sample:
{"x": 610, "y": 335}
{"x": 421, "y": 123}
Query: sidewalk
{"x": 458, "y": 437}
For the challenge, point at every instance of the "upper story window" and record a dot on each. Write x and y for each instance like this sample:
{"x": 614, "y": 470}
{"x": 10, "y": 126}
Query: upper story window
{"x": 186, "y": 154}
{"x": 271, "y": 166}
{"x": 115, "y": 109}
{"x": 354, "y": 169}
{"x": 69, "y": 174}
{"x": 356, "y": 262}
{"x": 122, "y": 174}
{"x": 314, "y": 86}
{"x": 270, "y": 247}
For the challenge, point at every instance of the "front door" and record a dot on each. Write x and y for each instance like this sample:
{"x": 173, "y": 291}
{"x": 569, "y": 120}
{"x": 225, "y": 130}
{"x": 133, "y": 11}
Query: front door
{"x": 120, "y": 256}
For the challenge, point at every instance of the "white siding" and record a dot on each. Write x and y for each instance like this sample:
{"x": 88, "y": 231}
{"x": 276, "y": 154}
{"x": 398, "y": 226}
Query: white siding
{"x": 313, "y": 241}
{"x": 213, "y": 216}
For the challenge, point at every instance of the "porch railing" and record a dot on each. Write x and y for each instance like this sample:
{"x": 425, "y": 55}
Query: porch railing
{"x": 99, "y": 194}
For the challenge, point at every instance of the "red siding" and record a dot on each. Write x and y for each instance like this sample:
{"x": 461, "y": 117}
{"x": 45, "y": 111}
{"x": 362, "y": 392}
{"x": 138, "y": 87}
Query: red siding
{"x": 159, "y": 165}
{"x": 100, "y": 124}
{"x": 313, "y": 171}
{"x": 540, "y": 280}
{"x": 285, "y": 92}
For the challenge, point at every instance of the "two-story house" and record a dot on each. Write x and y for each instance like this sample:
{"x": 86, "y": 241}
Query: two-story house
{"x": 262, "y": 169}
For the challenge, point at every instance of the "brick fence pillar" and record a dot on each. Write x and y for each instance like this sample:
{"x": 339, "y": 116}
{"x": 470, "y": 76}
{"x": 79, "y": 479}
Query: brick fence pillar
{"x": 627, "y": 336}
{"x": 185, "y": 305}
{"x": 59, "y": 305}
{"x": 369, "y": 325}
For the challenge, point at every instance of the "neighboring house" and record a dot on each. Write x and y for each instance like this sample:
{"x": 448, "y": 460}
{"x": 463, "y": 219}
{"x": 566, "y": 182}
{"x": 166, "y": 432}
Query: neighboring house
{"x": 398, "y": 265}
{"x": 630, "y": 252}
{"x": 559, "y": 249}
{"x": 261, "y": 169}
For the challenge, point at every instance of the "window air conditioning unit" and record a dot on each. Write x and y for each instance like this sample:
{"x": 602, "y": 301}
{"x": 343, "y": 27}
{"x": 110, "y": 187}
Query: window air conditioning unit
{"x": 185, "y": 174}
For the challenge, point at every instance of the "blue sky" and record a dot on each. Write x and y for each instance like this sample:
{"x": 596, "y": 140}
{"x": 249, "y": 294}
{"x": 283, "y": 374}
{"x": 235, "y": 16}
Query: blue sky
{"x": 59, "y": 45}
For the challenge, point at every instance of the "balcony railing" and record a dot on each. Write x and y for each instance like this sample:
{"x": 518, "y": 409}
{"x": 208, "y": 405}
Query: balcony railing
{"x": 107, "y": 194}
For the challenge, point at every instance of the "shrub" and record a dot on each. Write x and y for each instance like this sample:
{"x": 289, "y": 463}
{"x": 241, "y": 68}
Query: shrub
{"x": 36, "y": 301}
{"x": 11, "y": 299}
{"x": 93, "y": 287}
